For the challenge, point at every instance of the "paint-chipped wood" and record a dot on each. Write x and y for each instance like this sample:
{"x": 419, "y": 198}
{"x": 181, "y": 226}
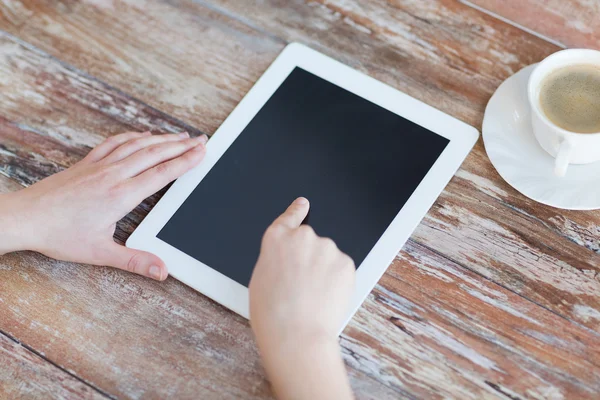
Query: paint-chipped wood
{"x": 472, "y": 337}
{"x": 146, "y": 340}
{"x": 551, "y": 256}
{"x": 212, "y": 356}
{"x": 460, "y": 52}
{"x": 533, "y": 249}
{"x": 179, "y": 57}
{"x": 442, "y": 52}
{"x": 573, "y": 23}
{"x": 8, "y": 185}
{"x": 431, "y": 329}
{"x": 25, "y": 375}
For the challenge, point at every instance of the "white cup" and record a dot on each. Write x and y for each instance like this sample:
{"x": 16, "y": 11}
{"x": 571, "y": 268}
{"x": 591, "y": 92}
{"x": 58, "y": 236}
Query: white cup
{"x": 565, "y": 146}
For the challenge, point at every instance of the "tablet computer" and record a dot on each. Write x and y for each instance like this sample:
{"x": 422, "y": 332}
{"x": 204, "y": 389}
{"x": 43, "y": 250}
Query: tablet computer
{"x": 371, "y": 160}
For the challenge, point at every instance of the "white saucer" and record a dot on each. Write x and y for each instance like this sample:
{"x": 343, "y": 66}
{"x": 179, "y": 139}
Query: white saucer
{"x": 519, "y": 159}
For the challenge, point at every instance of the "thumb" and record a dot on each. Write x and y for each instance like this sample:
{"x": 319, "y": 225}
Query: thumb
{"x": 136, "y": 261}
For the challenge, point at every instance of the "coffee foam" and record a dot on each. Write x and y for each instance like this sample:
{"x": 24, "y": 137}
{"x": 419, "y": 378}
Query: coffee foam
{"x": 570, "y": 98}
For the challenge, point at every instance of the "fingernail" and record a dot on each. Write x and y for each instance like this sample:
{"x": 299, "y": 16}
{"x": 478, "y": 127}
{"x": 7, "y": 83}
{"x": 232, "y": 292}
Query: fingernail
{"x": 203, "y": 138}
{"x": 183, "y": 135}
{"x": 301, "y": 200}
{"x": 155, "y": 272}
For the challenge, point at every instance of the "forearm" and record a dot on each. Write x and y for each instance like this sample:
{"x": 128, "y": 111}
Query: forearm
{"x": 313, "y": 370}
{"x": 13, "y": 226}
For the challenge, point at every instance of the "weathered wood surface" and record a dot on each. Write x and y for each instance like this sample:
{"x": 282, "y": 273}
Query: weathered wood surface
{"x": 182, "y": 58}
{"x": 445, "y": 53}
{"x": 25, "y": 375}
{"x": 8, "y": 185}
{"x": 474, "y": 337}
{"x": 574, "y": 23}
{"x": 453, "y": 57}
{"x": 147, "y": 339}
{"x": 431, "y": 329}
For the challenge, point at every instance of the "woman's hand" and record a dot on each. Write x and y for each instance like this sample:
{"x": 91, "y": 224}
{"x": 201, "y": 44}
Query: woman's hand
{"x": 299, "y": 297}
{"x": 72, "y": 215}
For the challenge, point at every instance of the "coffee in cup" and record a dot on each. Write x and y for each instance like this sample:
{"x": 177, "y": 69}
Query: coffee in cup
{"x": 564, "y": 95}
{"x": 570, "y": 98}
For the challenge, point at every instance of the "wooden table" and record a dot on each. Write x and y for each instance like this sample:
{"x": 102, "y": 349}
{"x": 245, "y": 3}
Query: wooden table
{"x": 494, "y": 296}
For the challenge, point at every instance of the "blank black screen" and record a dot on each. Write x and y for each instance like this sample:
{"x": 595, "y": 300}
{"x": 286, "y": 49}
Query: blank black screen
{"x": 356, "y": 162}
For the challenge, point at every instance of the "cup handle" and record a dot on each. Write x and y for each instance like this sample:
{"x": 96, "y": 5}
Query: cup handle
{"x": 562, "y": 158}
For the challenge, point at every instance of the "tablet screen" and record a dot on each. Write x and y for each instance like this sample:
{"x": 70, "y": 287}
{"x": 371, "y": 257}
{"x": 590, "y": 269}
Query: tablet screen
{"x": 355, "y": 161}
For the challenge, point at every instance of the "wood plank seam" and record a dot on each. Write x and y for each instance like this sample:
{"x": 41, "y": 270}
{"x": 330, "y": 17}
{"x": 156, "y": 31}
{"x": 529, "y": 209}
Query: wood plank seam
{"x": 574, "y": 23}
{"x": 190, "y": 129}
{"x": 195, "y": 131}
{"x": 513, "y": 23}
{"x": 40, "y": 355}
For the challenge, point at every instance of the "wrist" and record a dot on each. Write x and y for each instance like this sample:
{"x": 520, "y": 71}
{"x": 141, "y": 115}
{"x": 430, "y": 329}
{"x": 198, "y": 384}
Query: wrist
{"x": 307, "y": 339}
{"x": 14, "y": 232}
{"x": 306, "y": 366}
{"x": 287, "y": 337}
{"x": 279, "y": 351}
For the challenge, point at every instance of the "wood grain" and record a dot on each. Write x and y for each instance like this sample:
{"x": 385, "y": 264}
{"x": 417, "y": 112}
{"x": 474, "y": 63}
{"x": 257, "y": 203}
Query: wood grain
{"x": 444, "y": 53}
{"x": 431, "y": 329}
{"x": 8, "y": 185}
{"x": 182, "y": 58}
{"x": 474, "y": 338}
{"x": 555, "y": 254}
{"x": 574, "y": 23}
{"x": 52, "y": 305}
{"x": 459, "y": 56}
{"x": 24, "y": 375}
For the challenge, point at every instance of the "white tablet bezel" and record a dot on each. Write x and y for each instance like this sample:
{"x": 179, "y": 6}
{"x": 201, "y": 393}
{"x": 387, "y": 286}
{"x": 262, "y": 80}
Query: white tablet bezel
{"x": 230, "y": 293}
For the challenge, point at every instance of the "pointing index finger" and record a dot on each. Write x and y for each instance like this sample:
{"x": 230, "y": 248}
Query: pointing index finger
{"x": 295, "y": 214}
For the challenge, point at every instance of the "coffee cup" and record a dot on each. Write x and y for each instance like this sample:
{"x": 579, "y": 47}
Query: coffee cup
{"x": 564, "y": 120}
